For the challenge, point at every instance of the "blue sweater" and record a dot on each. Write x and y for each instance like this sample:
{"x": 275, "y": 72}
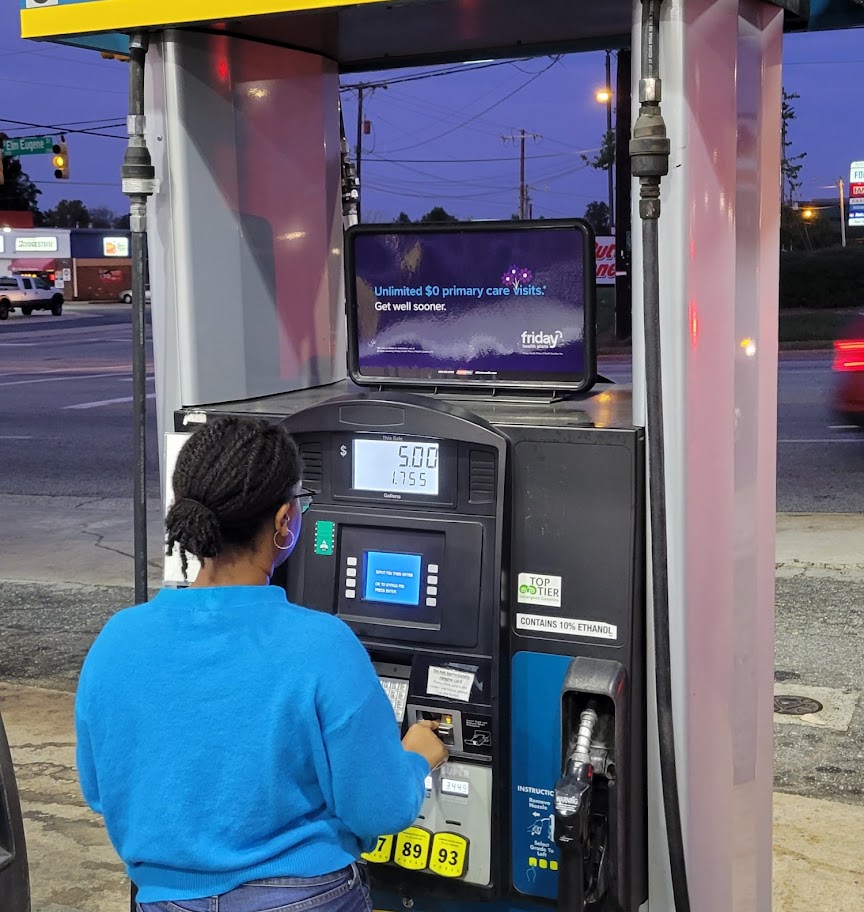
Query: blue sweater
{"x": 227, "y": 735}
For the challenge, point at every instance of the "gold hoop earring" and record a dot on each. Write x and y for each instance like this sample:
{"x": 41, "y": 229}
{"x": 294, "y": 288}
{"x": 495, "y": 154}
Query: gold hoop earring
{"x": 285, "y": 547}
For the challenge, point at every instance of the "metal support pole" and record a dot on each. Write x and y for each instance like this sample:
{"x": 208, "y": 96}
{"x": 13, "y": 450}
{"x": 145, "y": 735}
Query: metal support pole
{"x": 138, "y": 184}
{"x": 842, "y": 211}
{"x": 523, "y": 192}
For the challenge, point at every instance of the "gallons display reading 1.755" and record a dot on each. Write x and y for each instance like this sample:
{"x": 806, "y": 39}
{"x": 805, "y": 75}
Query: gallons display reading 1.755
{"x": 394, "y": 466}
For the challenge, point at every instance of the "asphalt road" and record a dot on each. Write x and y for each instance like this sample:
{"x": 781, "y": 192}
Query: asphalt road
{"x": 66, "y": 404}
{"x": 65, "y": 415}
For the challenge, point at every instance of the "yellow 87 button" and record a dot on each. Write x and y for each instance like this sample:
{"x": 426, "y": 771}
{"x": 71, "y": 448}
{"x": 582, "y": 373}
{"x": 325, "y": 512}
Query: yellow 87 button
{"x": 382, "y": 851}
{"x": 412, "y": 848}
{"x": 449, "y": 855}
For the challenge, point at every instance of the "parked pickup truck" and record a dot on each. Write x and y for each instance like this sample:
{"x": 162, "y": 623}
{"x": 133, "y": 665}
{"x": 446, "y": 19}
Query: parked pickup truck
{"x": 28, "y": 294}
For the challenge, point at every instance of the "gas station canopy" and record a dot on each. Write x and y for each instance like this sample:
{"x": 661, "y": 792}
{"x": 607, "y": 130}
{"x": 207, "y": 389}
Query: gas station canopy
{"x": 375, "y": 34}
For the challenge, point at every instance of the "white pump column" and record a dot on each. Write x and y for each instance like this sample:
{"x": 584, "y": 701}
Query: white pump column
{"x": 720, "y": 62}
{"x": 246, "y": 227}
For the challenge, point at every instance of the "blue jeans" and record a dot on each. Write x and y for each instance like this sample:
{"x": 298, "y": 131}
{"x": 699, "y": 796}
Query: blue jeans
{"x": 343, "y": 891}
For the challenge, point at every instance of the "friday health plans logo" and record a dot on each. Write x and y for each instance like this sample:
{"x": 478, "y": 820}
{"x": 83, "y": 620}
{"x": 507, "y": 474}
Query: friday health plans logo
{"x": 519, "y": 280}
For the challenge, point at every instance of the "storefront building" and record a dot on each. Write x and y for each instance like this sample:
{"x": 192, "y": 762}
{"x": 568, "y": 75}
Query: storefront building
{"x": 86, "y": 264}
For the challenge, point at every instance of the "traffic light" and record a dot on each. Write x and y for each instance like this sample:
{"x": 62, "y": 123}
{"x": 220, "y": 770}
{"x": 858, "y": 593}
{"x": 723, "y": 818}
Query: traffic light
{"x": 60, "y": 161}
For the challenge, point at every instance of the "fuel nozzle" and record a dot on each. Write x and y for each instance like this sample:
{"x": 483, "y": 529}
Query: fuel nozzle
{"x": 573, "y": 793}
{"x": 572, "y": 818}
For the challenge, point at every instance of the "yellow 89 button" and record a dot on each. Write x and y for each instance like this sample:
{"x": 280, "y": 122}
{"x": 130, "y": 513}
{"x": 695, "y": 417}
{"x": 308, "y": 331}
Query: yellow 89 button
{"x": 412, "y": 848}
{"x": 449, "y": 855}
{"x": 382, "y": 851}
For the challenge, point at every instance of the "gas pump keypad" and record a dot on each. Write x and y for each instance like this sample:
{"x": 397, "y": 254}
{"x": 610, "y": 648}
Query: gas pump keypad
{"x": 397, "y": 693}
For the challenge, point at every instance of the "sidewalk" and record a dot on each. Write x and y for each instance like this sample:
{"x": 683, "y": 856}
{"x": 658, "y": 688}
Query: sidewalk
{"x": 66, "y": 543}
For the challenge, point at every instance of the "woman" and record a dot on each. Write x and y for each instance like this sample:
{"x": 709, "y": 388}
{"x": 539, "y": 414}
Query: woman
{"x": 240, "y": 748}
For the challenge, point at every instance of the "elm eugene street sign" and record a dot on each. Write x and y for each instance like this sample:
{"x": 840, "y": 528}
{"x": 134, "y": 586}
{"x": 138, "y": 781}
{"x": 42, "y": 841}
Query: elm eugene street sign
{"x": 29, "y": 145}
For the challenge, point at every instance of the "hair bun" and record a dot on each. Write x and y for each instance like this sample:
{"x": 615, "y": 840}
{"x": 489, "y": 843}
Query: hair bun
{"x": 195, "y": 527}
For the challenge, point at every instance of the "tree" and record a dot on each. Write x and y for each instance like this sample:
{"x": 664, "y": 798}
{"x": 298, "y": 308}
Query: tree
{"x": 790, "y": 165}
{"x": 438, "y": 214}
{"x": 403, "y": 219}
{"x": 121, "y": 222}
{"x": 17, "y": 192}
{"x": 605, "y": 157}
{"x": 102, "y": 217}
{"x": 67, "y": 214}
{"x": 597, "y": 215}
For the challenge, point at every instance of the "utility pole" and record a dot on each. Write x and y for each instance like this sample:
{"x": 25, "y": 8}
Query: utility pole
{"x": 609, "y": 140}
{"x": 621, "y": 213}
{"x": 359, "y": 149}
{"x": 524, "y": 204}
{"x": 842, "y": 210}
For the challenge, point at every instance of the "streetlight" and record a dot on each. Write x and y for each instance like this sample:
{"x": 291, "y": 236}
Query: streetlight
{"x": 604, "y": 97}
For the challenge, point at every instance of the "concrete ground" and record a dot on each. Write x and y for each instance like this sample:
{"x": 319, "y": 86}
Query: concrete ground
{"x": 66, "y": 567}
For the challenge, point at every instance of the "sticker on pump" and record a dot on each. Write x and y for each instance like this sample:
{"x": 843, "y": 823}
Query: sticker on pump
{"x": 383, "y": 851}
{"x": 412, "y": 848}
{"x": 449, "y": 855}
{"x": 540, "y": 623}
{"x": 539, "y": 589}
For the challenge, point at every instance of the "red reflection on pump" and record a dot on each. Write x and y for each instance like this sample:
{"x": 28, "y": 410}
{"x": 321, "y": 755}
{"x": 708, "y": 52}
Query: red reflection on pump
{"x": 222, "y": 71}
{"x": 693, "y": 317}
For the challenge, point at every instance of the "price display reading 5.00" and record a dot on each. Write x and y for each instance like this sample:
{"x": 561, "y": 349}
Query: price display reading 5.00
{"x": 395, "y": 466}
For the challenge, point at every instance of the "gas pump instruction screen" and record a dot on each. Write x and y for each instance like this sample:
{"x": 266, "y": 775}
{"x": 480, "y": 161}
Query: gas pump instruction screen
{"x": 472, "y": 304}
{"x": 390, "y": 576}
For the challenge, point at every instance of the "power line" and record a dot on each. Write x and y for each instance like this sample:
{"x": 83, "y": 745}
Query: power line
{"x": 442, "y": 112}
{"x": 67, "y": 183}
{"x": 57, "y": 87}
{"x": 472, "y": 161}
{"x": 416, "y": 77}
{"x": 58, "y": 129}
{"x": 75, "y": 61}
{"x": 477, "y": 116}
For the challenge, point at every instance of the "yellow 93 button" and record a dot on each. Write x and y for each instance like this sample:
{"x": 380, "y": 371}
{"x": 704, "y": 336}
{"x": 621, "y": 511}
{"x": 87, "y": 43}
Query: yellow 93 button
{"x": 412, "y": 848}
{"x": 382, "y": 852}
{"x": 449, "y": 855}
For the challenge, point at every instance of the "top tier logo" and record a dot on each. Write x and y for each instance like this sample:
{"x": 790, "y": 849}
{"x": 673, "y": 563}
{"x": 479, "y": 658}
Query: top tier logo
{"x": 35, "y": 4}
{"x": 856, "y": 173}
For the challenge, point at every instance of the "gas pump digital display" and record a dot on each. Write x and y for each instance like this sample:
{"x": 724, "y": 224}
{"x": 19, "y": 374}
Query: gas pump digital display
{"x": 391, "y": 468}
{"x": 394, "y": 466}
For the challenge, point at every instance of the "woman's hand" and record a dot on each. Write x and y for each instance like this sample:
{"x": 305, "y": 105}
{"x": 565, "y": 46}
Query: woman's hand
{"x": 421, "y": 739}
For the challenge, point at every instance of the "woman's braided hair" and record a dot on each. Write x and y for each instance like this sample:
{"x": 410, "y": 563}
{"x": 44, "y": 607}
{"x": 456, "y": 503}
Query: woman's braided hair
{"x": 231, "y": 477}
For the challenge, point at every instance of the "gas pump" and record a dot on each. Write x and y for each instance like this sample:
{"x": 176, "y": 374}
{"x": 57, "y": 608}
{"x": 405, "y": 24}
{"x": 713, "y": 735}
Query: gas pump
{"x": 481, "y": 532}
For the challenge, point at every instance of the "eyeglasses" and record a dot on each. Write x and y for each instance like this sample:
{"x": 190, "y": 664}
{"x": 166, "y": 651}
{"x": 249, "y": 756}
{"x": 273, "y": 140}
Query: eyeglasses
{"x": 304, "y": 496}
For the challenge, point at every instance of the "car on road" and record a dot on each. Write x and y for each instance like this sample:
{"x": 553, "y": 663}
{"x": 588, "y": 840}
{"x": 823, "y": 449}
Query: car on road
{"x": 126, "y": 296}
{"x": 849, "y": 373}
{"x": 28, "y": 293}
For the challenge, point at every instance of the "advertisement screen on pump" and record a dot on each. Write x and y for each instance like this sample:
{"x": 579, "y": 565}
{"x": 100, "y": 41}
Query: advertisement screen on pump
{"x": 473, "y": 304}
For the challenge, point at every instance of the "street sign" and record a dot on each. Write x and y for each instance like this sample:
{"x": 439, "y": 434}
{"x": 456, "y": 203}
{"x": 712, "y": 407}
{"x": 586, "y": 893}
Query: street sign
{"x": 856, "y": 195}
{"x": 28, "y": 145}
